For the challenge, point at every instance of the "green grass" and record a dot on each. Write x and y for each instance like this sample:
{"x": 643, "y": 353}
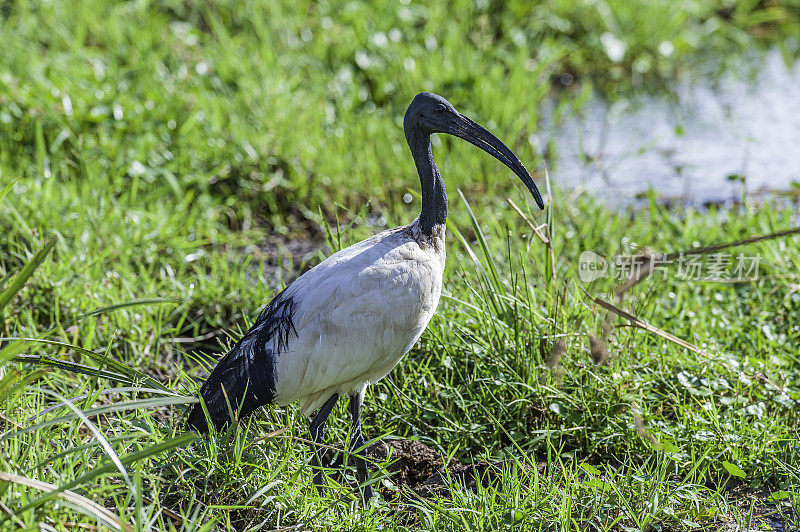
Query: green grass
{"x": 155, "y": 155}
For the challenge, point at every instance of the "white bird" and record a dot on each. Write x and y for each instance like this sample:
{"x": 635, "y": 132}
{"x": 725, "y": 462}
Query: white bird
{"x": 349, "y": 320}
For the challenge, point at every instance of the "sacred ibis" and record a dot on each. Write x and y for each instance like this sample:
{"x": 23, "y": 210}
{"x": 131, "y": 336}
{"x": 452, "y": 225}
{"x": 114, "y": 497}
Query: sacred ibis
{"x": 349, "y": 320}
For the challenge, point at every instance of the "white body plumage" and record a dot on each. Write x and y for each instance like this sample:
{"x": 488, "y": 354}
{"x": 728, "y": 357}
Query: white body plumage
{"x": 357, "y": 314}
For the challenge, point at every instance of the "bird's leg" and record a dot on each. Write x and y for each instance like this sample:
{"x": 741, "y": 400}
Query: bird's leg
{"x": 317, "y": 435}
{"x": 357, "y": 442}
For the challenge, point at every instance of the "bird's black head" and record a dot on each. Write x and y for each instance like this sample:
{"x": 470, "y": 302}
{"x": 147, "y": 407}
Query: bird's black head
{"x": 430, "y": 113}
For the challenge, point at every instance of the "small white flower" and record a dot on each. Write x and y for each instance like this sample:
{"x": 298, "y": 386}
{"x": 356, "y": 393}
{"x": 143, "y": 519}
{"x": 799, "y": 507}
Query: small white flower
{"x": 615, "y": 48}
{"x": 137, "y": 169}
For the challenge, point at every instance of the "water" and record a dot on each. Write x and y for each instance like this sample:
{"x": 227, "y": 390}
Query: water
{"x": 687, "y": 147}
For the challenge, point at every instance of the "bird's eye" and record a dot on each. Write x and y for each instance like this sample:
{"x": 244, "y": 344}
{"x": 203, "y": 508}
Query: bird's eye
{"x": 441, "y": 108}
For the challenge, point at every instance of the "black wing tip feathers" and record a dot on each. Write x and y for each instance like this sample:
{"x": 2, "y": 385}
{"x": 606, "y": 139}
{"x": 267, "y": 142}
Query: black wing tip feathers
{"x": 244, "y": 379}
{"x": 196, "y": 419}
{"x": 230, "y": 393}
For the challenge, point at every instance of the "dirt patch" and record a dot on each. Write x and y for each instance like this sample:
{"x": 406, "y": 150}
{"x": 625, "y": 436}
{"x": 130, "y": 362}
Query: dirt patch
{"x": 411, "y": 463}
{"x": 763, "y": 514}
{"x": 470, "y": 476}
{"x": 422, "y": 468}
{"x": 287, "y": 258}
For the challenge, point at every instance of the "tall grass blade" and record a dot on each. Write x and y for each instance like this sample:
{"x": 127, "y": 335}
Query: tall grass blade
{"x": 18, "y": 345}
{"x": 112, "y": 454}
{"x": 79, "y": 448}
{"x": 13, "y": 383}
{"x": 6, "y": 189}
{"x": 86, "y": 506}
{"x": 126, "y": 460}
{"x": 495, "y": 284}
{"x": 640, "y": 323}
{"x": 19, "y": 280}
{"x": 116, "y": 407}
{"x": 104, "y": 391}
{"x": 487, "y": 255}
{"x": 74, "y": 367}
{"x": 119, "y": 371}
{"x": 478, "y": 266}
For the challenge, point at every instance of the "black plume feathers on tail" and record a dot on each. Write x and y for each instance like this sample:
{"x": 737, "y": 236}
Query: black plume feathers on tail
{"x": 235, "y": 386}
{"x": 244, "y": 379}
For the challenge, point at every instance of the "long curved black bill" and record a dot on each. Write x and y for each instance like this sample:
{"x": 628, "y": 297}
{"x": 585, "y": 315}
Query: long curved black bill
{"x": 479, "y": 136}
